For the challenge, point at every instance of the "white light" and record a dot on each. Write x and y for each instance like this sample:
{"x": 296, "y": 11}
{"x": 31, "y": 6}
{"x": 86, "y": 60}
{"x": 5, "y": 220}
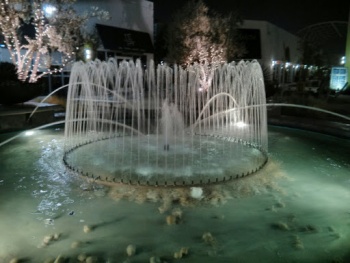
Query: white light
{"x": 49, "y": 10}
{"x": 342, "y": 60}
{"x": 88, "y": 54}
{"x": 240, "y": 124}
{"x": 29, "y": 133}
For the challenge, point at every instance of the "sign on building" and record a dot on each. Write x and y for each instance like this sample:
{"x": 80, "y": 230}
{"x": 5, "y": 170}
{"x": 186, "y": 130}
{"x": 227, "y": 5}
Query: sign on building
{"x": 339, "y": 77}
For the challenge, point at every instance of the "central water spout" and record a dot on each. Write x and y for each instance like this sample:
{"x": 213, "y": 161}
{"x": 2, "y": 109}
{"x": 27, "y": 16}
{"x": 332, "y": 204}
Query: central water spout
{"x": 171, "y": 123}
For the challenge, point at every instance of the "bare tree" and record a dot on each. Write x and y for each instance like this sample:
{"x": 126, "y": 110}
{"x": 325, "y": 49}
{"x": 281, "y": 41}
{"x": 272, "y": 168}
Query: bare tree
{"x": 63, "y": 31}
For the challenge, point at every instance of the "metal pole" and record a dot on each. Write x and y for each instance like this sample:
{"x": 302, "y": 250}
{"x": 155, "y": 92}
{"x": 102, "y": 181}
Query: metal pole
{"x": 347, "y": 49}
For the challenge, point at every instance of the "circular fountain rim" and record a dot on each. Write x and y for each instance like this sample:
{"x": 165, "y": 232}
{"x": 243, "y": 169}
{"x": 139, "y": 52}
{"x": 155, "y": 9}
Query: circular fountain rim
{"x": 163, "y": 183}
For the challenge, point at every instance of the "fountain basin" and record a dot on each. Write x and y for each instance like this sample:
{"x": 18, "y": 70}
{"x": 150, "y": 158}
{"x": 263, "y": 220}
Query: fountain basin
{"x": 192, "y": 160}
{"x": 299, "y": 200}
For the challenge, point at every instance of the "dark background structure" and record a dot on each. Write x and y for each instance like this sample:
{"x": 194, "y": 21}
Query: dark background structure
{"x": 290, "y": 15}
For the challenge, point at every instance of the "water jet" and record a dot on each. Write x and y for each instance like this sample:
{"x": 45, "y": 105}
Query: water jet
{"x": 154, "y": 127}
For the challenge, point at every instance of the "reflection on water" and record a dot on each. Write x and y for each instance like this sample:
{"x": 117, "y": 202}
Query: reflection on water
{"x": 303, "y": 216}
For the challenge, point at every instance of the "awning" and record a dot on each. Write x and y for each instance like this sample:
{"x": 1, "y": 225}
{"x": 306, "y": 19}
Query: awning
{"x": 119, "y": 39}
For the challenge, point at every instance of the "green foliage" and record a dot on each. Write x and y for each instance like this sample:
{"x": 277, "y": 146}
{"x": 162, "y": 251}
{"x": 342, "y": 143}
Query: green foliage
{"x": 310, "y": 54}
{"x": 8, "y": 72}
{"x": 12, "y": 90}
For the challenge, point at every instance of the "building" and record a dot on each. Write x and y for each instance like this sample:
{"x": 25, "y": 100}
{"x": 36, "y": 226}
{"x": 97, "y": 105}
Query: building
{"x": 129, "y": 32}
{"x": 276, "y": 49}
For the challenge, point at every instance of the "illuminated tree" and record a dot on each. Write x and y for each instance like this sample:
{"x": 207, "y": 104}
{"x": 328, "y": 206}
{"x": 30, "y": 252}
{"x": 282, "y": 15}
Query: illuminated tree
{"x": 198, "y": 36}
{"x": 59, "y": 29}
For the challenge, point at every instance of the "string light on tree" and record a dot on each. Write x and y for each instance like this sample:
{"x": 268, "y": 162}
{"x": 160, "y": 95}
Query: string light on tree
{"x": 196, "y": 36}
{"x": 57, "y": 28}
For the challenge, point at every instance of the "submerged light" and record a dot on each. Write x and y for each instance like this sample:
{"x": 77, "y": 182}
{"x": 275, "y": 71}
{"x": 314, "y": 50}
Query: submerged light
{"x": 240, "y": 124}
{"x": 29, "y": 133}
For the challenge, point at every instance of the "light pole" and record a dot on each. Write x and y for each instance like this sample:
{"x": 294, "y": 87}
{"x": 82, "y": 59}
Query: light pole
{"x": 347, "y": 49}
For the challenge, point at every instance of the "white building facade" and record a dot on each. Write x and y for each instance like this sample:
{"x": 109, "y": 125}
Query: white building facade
{"x": 128, "y": 34}
{"x": 276, "y": 49}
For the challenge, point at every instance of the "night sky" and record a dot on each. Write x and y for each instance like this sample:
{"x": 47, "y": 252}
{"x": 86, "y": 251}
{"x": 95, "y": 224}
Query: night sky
{"x": 290, "y": 15}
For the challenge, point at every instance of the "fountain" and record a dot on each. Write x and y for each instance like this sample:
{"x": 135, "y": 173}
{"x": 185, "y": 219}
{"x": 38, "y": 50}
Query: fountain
{"x": 128, "y": 131}
{"x": 158, "y": 127}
